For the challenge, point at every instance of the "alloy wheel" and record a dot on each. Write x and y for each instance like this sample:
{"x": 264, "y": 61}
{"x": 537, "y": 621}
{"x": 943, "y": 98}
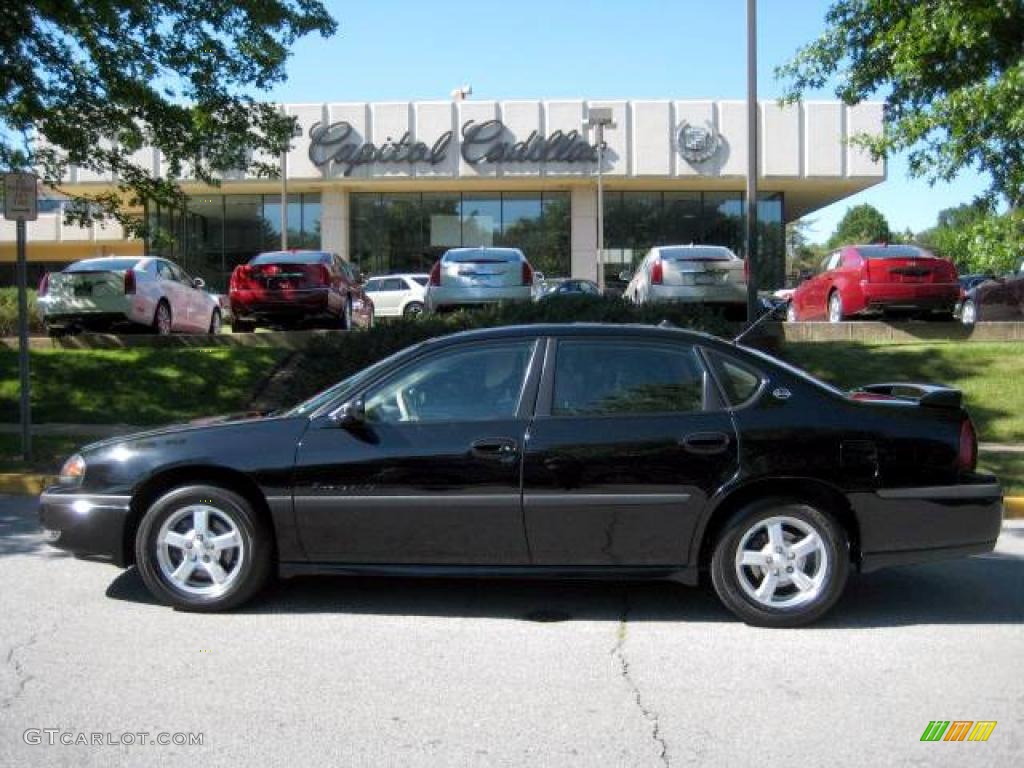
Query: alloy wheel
{"x": 835, "y": 308}
{"x": 968, "y": 313}
{"x": 782, "y": 562}
{"x": 163, "y": 320}
{"x": 200, "y": 550}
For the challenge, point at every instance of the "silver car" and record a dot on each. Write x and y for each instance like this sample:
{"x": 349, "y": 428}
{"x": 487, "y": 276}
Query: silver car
{"x": 125, "y": 291}
{"x": 706, "y": 274}
{"x": 473, "y": 276}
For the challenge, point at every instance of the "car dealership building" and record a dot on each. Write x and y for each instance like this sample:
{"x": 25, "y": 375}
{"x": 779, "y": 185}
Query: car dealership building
{"x": 391, "y": 185}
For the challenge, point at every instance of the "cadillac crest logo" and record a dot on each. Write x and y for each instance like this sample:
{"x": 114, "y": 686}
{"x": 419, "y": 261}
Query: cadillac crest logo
{"x": 698, "y": 144}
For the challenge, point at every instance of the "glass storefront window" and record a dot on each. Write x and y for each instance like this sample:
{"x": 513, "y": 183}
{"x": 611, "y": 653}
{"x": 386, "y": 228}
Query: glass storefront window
{"x": 481, "y": 219}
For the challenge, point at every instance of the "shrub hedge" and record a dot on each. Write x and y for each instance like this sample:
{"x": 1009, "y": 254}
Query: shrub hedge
{"x": 9, "y": 313}
{"x": 330, "y": 359}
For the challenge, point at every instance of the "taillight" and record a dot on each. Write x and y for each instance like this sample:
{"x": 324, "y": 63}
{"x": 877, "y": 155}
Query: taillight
{"x": 527, "y": 273}
{"x": 435, "y": 274}
{"x": 129, "y": 282}
{"x": 44, "y": 284}
{"x": 657, "y": 273}
{"x": 968, "y": 456}
{"x": 239, "y": 278}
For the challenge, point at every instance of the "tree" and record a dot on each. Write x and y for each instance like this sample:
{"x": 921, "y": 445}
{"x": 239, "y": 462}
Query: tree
{"x": 861, "y": 224}
{"x": 978, "y": 239}
{"x": 89, "y": 83}
{"x": 953, "y": 231}
{"x": 952, "y": 75}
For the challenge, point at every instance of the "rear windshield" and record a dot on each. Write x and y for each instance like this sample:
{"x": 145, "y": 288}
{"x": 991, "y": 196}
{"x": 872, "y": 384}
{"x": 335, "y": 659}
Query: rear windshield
{"x": 103, "y": 265}
{"x": 483, "y": 255}
{"x": 697, "y": 254}
{"x": 421, "y": 280}
{"x": 289, "y": 257}
{"x": 891, "y": 252}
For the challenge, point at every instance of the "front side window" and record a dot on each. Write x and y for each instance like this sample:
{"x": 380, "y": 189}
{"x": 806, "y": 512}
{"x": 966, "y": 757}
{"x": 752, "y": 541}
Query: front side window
{"x": 474, "y": 384}
{"x": 598, "y": 378}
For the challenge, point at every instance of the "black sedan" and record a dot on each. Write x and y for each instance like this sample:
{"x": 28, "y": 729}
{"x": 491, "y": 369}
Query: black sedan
{"x": 583, "y": 451}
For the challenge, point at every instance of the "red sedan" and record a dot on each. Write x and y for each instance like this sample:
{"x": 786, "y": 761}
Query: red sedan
{"x": 871, "y": 279}
{"x": 286, "y": 289}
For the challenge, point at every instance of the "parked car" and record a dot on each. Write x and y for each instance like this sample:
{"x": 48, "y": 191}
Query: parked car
{"x": 289, "y": 289}
{"x": 122, "y": 292}
{"x": 705, "y": 274}
{"x": 570, "y": 287}
{"x": 397, "y": 295}
{"x": 466, "y": 277}
{"x": 860, "y": 280}
{"x": 994, "y": 298}
{"x": 575, "y": 450}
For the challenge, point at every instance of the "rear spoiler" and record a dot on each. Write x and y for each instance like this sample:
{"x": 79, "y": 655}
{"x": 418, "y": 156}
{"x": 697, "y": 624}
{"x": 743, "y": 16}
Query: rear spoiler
{"x": 929, "y": 395}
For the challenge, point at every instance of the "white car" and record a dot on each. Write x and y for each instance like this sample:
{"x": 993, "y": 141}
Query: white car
{"x": 466, "y": 277}
{"x": 105, "y": 293}
{"x": 397, "y": 295}
{"x": 705, "y": 274}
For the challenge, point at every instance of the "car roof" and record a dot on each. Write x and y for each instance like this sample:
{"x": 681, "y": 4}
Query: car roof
{"x": 580, "y": 330}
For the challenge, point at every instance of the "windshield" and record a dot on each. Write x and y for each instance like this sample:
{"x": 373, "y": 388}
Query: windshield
{"x": 346, "y": 386}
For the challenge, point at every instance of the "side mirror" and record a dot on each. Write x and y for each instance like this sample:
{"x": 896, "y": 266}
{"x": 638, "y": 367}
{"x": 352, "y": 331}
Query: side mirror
{"x": 198, "y": 282}
{"x": 626, "y": 275}
{"x": 350, "y": 414}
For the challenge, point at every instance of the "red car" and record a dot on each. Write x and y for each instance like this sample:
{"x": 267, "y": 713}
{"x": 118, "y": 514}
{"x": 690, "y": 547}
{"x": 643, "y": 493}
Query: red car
{"x": 870, "y": 279}
{"x": 288, "y": 289}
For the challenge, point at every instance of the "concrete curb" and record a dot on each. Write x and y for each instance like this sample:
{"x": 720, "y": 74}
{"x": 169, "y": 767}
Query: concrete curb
{"x": 32, "y": 485}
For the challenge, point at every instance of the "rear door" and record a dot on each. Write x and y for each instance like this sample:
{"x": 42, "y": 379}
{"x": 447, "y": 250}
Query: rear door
{"x": 628, "y": 443}
{"x": 172, "y": 289}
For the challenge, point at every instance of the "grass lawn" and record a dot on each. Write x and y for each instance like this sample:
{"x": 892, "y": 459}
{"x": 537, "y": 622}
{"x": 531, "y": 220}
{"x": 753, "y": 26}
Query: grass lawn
{"x": 135, "y": 386}
{"x": 1008, "y": 467}
{"x": 991, "y": 376}
{"x": 48, "y": 453}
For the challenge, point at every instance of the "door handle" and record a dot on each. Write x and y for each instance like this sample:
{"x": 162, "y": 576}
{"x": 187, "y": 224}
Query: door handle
{"x": 495, "y": 449}
{"x": 706, "y": 442}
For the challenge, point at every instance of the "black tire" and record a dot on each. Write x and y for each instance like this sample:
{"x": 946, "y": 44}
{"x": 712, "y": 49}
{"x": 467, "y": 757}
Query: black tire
{"x": 160, "y": 326}
{"x": 251, "y": 569}
{"x": 215, "y": 322}
{"x": 833, "y": 565}
{"x": 969, "y": 313}
{"x": 242, "y": 326}
{"x": 413, "y": 309}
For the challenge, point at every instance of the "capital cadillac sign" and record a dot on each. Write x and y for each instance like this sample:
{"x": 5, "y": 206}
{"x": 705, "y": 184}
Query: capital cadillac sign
{"x": 481, "y": 142}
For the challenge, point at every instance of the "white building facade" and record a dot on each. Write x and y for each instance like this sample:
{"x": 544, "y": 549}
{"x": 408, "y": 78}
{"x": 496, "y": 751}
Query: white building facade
{"x": 391, "y": 185}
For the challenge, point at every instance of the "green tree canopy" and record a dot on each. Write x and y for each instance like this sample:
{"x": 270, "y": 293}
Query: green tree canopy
{"x": 951, "y": 73}
{"x": 861, "y": 224}
{"x": 100, "y": 79}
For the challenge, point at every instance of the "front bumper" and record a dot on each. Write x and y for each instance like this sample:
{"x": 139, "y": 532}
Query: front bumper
{"x": 86, "y": 523}
{"x": 899, "y": 526}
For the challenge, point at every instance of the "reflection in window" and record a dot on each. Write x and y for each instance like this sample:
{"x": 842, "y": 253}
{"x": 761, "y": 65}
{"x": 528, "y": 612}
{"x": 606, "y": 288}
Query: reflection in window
{"x": 599, "y": 378}
{"x": 479, "y": 384}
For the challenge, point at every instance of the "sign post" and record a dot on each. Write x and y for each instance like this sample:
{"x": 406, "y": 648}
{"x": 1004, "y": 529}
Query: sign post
{"x": 20, "y": 206}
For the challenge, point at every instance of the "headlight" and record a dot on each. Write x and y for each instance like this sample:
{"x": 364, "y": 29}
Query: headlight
{"x": 73, "y": 471}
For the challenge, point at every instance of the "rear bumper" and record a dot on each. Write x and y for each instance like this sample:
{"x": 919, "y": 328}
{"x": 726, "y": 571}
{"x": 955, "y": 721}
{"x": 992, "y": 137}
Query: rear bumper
{"x": 911, "y": 525}
{"x": 941, "y": 296}
{"x": 84, "y": 523}
{"x": 309, "y": 302}
{"x": 728, "y": 293}
{"x": 439, "y": 297}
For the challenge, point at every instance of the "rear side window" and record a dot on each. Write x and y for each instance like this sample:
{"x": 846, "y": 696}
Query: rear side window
{"x": 739, "y": 381}
{"x": 598, "y": 378}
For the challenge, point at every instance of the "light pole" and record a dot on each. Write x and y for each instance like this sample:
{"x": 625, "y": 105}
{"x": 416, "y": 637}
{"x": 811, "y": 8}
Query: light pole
{"x": 751, "y": 237}
{"x": 600, "y": 118}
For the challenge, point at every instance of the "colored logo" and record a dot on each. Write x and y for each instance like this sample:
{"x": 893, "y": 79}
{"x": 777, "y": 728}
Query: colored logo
{"x": 958, "y": 730}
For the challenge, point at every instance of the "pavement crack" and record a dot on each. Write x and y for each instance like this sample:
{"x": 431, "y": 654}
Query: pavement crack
{"x": 21, "y": 676}
{"x": 619, "y": 654}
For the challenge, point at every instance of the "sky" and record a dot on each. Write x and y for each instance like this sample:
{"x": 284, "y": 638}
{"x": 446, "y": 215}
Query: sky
{"x": 640, "y": 49}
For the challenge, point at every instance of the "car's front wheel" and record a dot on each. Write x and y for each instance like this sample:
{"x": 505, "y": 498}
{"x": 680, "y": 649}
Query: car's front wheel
{"x": 203, "y": 548}
{"x": 780, "y": 563}
{"x": 791, "y": 315}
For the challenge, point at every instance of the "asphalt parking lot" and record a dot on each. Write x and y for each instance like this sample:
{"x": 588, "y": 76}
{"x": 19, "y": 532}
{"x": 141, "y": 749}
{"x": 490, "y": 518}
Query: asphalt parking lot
{"x": 360, "y": 672}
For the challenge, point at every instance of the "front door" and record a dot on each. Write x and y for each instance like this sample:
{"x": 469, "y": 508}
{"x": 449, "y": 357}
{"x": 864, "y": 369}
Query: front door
{"x": 432, "y": 474}
{"x": 628, "y": 444}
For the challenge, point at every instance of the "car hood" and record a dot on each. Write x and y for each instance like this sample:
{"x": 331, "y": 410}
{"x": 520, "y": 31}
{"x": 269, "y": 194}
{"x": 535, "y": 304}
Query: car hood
{"x": 207, "y": 422}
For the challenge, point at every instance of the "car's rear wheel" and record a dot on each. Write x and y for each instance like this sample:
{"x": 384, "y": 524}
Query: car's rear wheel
{"x": 163, "y": 321}
{"x": 413, "y": 309}
{"x": 780, "y": 563}
{"x": 203, "y": 548}
{"x": 215, "y": 322}
{"x": 969, "y": 312}
{"x": 835, "y": 307}
{"x": 791, "y": 315}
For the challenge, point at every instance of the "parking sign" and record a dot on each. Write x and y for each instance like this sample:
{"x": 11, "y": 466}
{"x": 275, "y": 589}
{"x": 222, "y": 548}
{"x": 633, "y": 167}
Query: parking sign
{"x": 20, "y": 197}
